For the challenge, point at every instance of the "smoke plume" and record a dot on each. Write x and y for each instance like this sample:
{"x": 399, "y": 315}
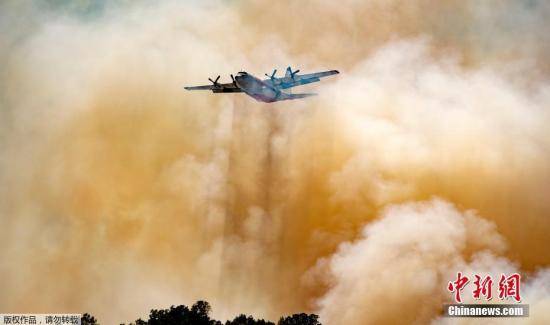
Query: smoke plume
{"x": 121, "y": 192}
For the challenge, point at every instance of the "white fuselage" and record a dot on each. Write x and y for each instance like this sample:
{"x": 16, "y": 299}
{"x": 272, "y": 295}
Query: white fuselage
{"x": 256, "y": 88}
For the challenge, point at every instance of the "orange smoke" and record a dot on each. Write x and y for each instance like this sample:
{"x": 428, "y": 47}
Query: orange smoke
{"x": 122, "y": 192}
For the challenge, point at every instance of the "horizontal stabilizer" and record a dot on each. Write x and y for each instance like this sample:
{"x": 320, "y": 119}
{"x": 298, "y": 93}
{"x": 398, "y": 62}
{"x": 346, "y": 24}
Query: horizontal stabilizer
{"x": 285, "y": 96}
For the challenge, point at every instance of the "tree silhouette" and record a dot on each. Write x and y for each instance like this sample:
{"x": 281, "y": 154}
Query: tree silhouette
{"x": 247, "y": 320}
{"x": 88, "y": 319}
{"x": 300, "y": 319}
{"x": 199, "y": 314}
{"x": 181, "y": 315}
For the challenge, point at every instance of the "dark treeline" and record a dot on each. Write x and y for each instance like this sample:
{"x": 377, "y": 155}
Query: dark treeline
{"x": 199, "y": 314}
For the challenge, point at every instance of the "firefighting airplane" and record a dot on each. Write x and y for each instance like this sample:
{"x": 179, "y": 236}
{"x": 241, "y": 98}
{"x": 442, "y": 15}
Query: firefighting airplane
{"x": 268, "y": 90}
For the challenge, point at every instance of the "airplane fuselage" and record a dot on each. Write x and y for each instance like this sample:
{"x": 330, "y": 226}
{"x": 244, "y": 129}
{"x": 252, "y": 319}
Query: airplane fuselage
{"x": 256, "y": 88}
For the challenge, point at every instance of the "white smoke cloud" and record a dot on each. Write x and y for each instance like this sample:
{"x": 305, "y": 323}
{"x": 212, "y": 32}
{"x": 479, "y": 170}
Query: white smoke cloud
{"x": 117, "y": 183}
{"x": 397, "y": 271}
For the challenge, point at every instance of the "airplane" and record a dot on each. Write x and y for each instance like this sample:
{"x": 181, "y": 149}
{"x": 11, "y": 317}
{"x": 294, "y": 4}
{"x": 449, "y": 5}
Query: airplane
{"x": 268, "y": 90}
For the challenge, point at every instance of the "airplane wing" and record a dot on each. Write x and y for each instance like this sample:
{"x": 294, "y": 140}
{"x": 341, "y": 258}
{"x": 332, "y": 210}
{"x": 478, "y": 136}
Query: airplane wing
{"x": 206, "y": 87}
{"x": 318, "y": 74}
{"x": 216, "y": 87}
{"x": 293, "y": 79}
{"x": 219, "y": 88}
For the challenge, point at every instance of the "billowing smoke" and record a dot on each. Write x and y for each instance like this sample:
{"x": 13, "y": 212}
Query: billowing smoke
{"x": 120, "y": 191}
{"x": 392, "y": 268}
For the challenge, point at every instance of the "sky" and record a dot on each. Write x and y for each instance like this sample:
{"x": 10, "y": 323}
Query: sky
{"x": 120, "y": 192}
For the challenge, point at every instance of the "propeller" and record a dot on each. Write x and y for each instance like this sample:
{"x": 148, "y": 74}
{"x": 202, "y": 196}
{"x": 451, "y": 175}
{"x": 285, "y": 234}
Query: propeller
{"x": 215, "y": 82}
{"x": 293, "y": 73}
{"x": 272, "y": 75}
{"x": 289, "y": 70}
